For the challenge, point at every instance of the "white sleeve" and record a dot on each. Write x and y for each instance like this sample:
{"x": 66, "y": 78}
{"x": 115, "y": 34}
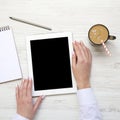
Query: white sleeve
{"x": 19, "y": 117}
{"x": 88, "y": 106}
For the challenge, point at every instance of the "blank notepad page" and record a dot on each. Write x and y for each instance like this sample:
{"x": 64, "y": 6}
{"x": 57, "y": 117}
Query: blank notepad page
{"x": 9, "y": 62}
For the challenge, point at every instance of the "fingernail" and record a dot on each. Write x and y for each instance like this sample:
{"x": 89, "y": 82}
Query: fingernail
{"x": 82, "y": 43}
{"x": 73, "y": 42}
{"x": 23, "y": 81}
{"x": 73, "y": 53}
{"x": 29, "y": 78}
{"x": 77, "y": 43}
{"x": 43, "y": 96}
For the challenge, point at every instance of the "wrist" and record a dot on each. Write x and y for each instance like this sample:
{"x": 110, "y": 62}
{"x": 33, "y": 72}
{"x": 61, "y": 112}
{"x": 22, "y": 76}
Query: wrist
{"x": 83, "y": 86}
{"x": 28, "y": 117}
{"x": 19, "y": 117}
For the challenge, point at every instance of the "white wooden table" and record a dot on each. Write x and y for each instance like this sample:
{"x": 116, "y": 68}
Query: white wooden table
{"x": 76, "y": 16}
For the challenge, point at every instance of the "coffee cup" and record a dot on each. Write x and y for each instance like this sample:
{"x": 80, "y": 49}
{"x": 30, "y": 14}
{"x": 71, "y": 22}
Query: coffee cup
{"x": 99, "y": 33}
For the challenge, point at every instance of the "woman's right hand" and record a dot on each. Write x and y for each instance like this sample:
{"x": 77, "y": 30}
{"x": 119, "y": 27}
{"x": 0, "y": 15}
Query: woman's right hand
{"x": 81, "y": 65}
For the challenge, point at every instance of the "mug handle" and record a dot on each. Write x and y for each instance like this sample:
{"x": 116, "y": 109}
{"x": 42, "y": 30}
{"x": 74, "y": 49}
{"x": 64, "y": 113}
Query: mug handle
{"x": 111, "y": 37}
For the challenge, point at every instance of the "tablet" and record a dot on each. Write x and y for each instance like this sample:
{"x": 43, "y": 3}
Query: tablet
{"x": 49, "y": 63}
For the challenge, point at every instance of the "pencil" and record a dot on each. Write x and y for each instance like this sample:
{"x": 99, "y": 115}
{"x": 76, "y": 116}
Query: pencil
{"x": 30, "y": 23}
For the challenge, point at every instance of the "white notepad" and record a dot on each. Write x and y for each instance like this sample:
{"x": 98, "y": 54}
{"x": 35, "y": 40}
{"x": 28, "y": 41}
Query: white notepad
{"x": 9, "y": 61}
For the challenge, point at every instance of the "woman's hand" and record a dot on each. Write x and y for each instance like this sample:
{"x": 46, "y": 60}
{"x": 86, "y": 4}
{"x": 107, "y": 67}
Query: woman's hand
{"x": 25, "y": 106}
{"x": 81, "y": 65}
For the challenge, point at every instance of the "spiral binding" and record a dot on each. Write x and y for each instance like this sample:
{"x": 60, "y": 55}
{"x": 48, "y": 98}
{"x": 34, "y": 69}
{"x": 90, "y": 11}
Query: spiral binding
{"x": 4, "y": 28}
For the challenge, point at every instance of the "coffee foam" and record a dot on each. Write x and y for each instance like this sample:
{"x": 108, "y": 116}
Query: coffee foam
{"x": 98, "y": 33}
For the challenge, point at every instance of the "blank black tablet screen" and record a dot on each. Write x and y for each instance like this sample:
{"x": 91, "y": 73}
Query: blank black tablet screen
{"x": 51, "y": 63}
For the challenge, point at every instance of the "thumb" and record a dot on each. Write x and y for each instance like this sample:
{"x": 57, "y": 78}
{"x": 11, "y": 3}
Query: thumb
{"x": 37, "y": 103}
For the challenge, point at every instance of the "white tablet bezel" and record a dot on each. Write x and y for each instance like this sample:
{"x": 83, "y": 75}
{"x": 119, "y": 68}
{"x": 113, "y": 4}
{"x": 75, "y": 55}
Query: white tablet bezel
{"x": 30, "y": 69}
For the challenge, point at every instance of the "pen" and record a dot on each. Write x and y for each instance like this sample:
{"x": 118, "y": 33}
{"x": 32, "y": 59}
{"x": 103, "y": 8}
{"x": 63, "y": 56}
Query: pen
{"x": 30, "y": 23}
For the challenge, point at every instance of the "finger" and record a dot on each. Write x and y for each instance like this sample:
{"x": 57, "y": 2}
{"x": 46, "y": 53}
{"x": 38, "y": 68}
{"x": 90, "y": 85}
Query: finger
{"x": 76, "y": 50}
{"x": 81, "y": 56}
{"x": 29, "y": 91}
{"x": 17, "y": 92}
{"x": 84, "y": 49}
{"x": 74, "y": 60}
{"x": 20, "y": 89}
{"x": 24, "y": 87}
{"x": 90, "y": 55}
{"x": 37, "y": 103}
